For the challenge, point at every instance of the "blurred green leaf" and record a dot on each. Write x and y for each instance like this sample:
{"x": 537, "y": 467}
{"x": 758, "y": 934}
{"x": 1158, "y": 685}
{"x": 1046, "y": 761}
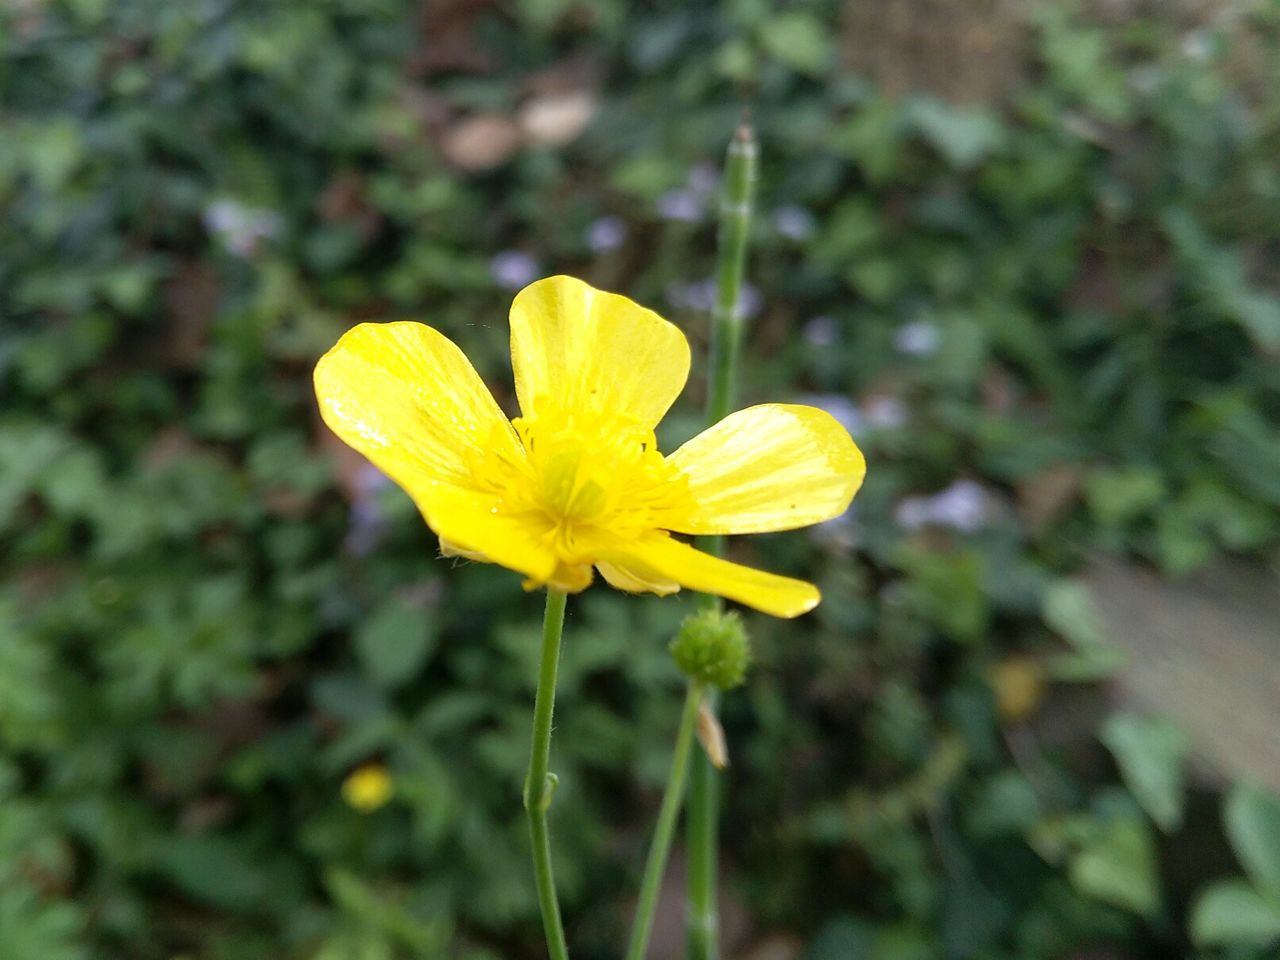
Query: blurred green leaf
{"x": 1219, "y": 278}
{"x": 843, "y": 939}
{"x": 948, "y": 589}
{"x": 1232, "y": 913}
{"x": 1005, "y": 805}
{"x": 52, "y": 151}
{"x": 876, "y": 278}
{"x": 963, "y": 135}
{"x": 396, "y": 641}
{"x": 1252, "y": 819}
{"x": 1068, "y": 609}
{"x": 215, "y": 870}
{"x": 1117, "y": 496}
{"x": 379, "y": 909}
{"x": 35, "y": 930}
{"x": 29, "y": 703}
{"x": 798, "y": 39}
{"x": 1119, "y": 867}
{"x": 1151, "y": 754}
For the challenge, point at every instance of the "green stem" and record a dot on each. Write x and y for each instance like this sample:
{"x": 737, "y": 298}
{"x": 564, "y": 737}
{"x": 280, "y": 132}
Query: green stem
{"x": 540, "y": 785}
{"x": 665, "y": 829}
{"x": 735, "y": 229}
{"x": 726, "y": 337}
{"x": 702, "y": 829}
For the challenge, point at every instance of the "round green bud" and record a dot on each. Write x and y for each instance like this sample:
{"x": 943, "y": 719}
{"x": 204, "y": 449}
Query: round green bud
{"x": 712, "y": 648}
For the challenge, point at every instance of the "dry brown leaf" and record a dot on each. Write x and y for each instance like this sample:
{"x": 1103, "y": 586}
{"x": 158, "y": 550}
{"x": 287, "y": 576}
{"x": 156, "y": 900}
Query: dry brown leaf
{"x": 167, "y": 447}
{"x": 343, "y": 201}
{"x": 1043, "y": 496}
{"x": 191, "y": 298}
{"x": 711, "y": 736}
{"x": 556, "y": 119}
{"x": 481, "y": 142}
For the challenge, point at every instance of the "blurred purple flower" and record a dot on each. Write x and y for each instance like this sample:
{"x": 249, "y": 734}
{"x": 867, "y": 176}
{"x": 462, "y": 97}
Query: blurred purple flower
{"x": 240, "y": 229}
{"x": 606, "y": 233}
{"x": 703, "y": 179}
{"x": 369, "y": 481}
{"x": 794, "y": 223}
{"x": 364, "y": 530}
{"x": 963, "y": 506}
{"x": 681, "y": 205}
{"x": 822, "y": 331}
{"x": 366, "y": 524}
{"x": 751, "y": 300}
{"x": 513, "y": 269}
{"x": 917, "y": 339}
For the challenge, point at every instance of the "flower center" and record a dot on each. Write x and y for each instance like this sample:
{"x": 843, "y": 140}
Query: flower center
{"x": 584, "y": 472}
{"x": 593, "y": 469}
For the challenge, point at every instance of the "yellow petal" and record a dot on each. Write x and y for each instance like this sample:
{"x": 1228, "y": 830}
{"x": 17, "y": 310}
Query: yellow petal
{"x": 407, "y": 398}
{"x": 472, "y": 525}
{"x": 583, "y": 349}
{"x": 633, "y": 581}
{"x": 658, "y": 557}
{"x": 772, "y": 467}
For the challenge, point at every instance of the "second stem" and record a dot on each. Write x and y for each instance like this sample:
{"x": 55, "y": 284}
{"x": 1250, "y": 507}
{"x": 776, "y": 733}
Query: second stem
{"x": 666, "y": 826}
{"x": 726, "y": 335}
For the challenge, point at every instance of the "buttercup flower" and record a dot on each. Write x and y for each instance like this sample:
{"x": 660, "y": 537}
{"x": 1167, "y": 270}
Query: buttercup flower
{"x": 576, "y": 482}
{"x": 368, "y": 788}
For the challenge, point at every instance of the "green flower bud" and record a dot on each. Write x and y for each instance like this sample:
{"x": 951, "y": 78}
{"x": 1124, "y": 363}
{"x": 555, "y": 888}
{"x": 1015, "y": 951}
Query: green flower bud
{"x": 712, "y": 648}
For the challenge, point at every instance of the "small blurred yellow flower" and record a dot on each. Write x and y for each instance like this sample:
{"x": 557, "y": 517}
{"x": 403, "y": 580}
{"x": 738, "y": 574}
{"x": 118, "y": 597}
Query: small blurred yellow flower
{"x": 368, "y": 788}
{"x": 1018, "y": 683}
{"x": 577, "y": 481}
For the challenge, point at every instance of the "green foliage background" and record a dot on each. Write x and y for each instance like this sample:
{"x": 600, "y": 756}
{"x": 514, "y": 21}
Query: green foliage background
{"x": 194, "y": 651}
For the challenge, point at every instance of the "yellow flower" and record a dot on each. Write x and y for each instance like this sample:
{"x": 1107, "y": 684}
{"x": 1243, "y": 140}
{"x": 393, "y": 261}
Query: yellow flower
{"x": 367, "y": 788}
{"x": 577, "y": 480}
{"x": 1019, "y": 684}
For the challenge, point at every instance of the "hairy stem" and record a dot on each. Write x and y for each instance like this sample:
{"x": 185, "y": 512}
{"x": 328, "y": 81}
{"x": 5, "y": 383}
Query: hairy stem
{"x": 540, "y": 784}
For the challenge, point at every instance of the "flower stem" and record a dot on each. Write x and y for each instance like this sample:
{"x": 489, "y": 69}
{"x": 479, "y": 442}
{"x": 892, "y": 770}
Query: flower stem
{"x": 726, "y": 337}
{"x": 702, "y": 829}
{"x": 540, "y": 785}
{"x": 664, "y": 831}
